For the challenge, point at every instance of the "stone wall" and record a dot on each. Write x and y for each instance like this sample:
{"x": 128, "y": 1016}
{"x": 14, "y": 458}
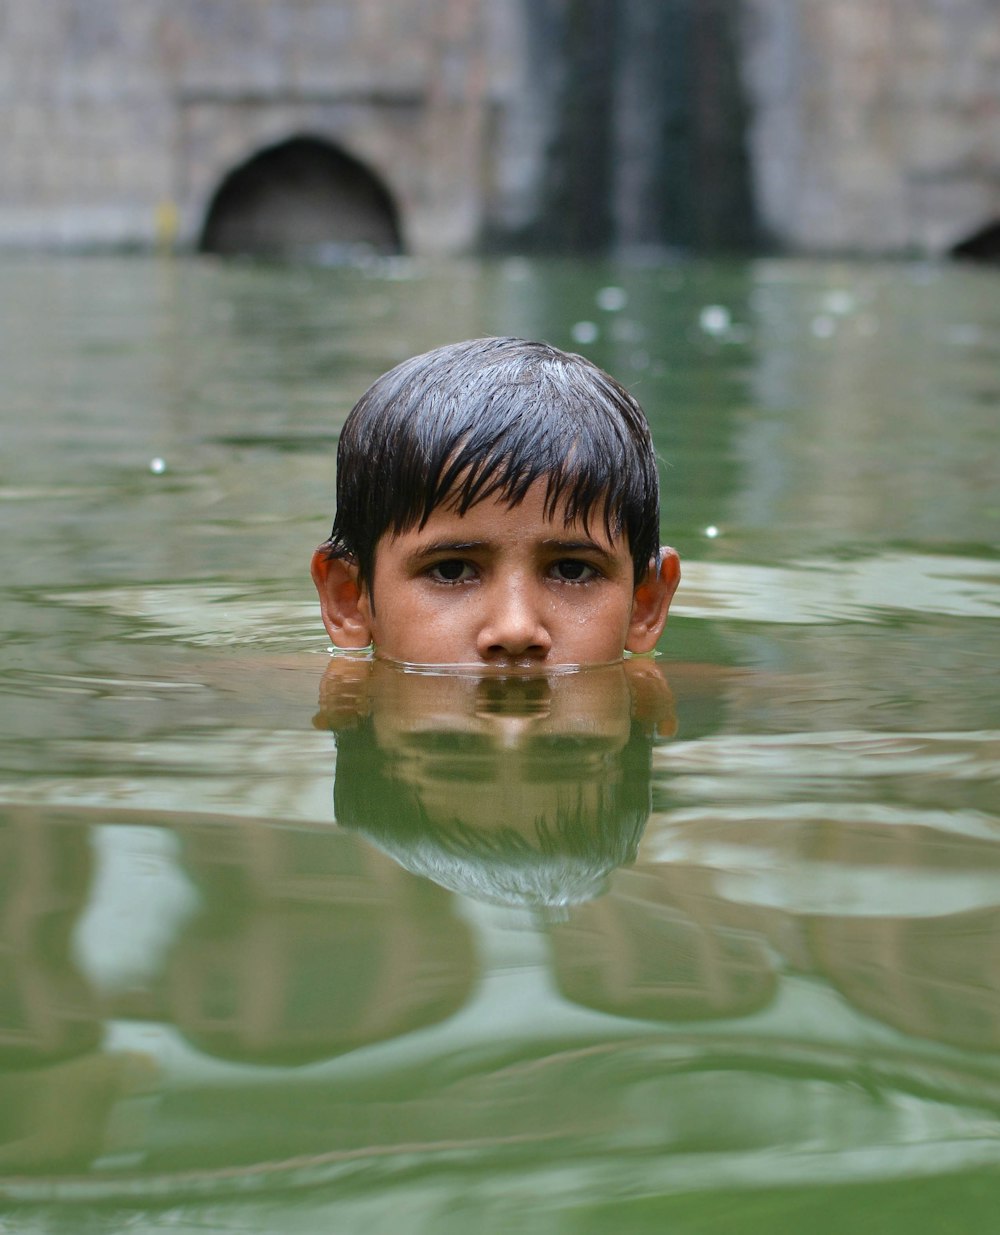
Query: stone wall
{"x": 843, "y": 125}
{"x": 123, "y": 116}
{"x": 875, "y": 123}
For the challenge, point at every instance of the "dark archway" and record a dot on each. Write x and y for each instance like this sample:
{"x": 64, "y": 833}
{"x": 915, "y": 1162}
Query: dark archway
{"x": 302, "y": 198}
{"x": 982, "y": 246}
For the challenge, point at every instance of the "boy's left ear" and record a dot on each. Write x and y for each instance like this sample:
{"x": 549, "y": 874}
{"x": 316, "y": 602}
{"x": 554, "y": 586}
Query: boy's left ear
{"x": 651, "y": 602}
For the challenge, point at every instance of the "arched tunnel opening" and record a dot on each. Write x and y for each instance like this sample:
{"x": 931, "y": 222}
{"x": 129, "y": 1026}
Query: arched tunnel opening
{"x": 983, "y": 245}
{"x": 302, "y": 198}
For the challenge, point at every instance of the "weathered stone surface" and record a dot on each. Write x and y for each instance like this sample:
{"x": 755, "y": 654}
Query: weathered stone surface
{"x": 875, "y": 124}
{"x": 865, "y": 125}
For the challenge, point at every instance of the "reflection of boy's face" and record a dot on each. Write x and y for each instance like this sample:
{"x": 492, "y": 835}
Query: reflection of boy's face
{"x": 501, "y": 586}
{"x": 499, "y": 752}
{"x": 502, "y": 752}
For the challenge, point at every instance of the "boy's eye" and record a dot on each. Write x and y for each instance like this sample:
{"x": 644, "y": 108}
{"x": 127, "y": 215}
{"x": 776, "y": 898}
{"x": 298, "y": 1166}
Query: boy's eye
{"x": 572, "y": 570}
{"x": 452, "y": 570}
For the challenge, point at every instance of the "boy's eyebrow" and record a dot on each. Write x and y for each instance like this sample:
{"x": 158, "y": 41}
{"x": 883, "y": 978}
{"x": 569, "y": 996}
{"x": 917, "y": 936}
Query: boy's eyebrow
{"x": 435, "y": 547}
{"x": 576, "y": 546}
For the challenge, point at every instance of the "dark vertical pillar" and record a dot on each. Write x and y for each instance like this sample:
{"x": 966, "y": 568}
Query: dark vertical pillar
{"x": 681, "y": 175}
{"x": 724, "y": 215}
{"x": 645, "y": 122}
{"x": 654, "y": 124}
{"x": 574, "y": 44}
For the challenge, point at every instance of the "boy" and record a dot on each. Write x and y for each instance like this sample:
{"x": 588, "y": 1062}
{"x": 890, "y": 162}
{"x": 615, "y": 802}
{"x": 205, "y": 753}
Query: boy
{"x": 497, "y": 505}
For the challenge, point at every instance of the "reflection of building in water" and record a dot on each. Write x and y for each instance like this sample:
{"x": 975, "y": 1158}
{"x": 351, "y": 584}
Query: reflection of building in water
{"x": 57, "y": 1089}
{"x": 309, "y": 944}
{"x": 664, "y": 946}
{"x": 46, "y": 1008}
{"x": 936, "y": 976}
{"x": 652, "y": 950}
{"x": 759, "y": 979}
{"x": 893, "y": 917}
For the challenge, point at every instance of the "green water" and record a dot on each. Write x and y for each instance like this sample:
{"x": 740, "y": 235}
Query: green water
{"x": 707, "y": 944}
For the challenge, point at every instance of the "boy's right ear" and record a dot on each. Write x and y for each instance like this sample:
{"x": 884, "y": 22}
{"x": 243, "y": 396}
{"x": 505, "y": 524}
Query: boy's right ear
{"x": 342, "y": 601}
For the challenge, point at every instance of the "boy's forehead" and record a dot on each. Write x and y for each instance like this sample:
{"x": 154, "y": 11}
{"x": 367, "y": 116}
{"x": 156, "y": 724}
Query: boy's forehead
{"x": 535, "y": 507}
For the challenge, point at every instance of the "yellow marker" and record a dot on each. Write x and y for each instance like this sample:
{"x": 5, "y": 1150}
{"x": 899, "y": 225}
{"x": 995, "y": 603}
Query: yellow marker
{"x": 167, "y": 222}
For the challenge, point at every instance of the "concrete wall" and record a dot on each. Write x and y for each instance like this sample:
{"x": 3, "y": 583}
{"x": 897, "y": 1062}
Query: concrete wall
{"x": 863, "y": 124}
{"x": 875, "y": 123}
{"x": 123, "y": 116}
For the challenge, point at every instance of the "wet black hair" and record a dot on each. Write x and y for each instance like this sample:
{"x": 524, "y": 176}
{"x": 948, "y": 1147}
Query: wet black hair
{"x": 487, "y": 418}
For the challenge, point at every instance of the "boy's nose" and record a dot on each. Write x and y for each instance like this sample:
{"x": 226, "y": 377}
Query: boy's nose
{"x": 513, "y": 628}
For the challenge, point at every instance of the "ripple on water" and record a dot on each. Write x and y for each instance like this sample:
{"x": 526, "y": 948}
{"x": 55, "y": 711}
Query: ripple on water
{"x": 201, "y": 613}
{"x": 810, "y": 592}
{"x": 818, "y": 592}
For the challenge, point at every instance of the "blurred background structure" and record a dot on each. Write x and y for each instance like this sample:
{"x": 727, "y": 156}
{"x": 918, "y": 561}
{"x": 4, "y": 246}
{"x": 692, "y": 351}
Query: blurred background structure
{"x": 450, "y": 126}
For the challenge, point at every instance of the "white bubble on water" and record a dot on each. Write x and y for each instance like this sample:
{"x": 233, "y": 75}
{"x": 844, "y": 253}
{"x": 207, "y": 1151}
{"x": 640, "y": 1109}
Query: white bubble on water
{"x": 627, "y": 330}
{"x": 840, "y": 303}
{"x": 516, "y": 269}
{"x": 585, "y": 332}
{"x": 715, "y": 319}
{"x": 612, "y": 299}
{"x": 157, "y": 466}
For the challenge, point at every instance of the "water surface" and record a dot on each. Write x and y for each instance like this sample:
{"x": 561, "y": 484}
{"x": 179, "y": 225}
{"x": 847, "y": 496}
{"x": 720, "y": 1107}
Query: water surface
{"x": 708, "y": 944}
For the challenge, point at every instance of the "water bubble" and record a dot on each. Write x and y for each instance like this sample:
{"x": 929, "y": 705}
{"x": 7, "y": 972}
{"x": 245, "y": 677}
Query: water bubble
{"x": 627, "y": 330}
{"x": 516, "y": 269}
{"x": 715, "y": 319}
{"x": 157, "y": 466}
{"x": 711, "y": 531}
{"x": 585, "y": 332}
{"x": 840, "y": 303}
{"x": 612, "y": 299}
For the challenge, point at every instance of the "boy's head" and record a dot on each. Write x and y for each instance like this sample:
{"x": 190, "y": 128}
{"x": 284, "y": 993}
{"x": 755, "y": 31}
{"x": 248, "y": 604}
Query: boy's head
{"x": 493, "y": 496}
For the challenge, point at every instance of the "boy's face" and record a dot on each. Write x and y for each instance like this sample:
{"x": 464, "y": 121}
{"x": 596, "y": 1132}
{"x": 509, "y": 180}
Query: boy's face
{"x": 502, "y": 587}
